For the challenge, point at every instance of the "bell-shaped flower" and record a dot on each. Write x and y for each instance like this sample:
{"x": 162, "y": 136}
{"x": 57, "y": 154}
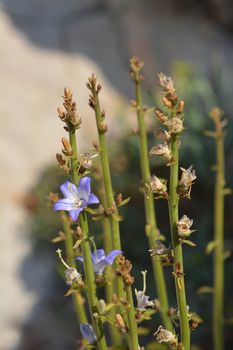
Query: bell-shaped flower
{"x": 88, "y": 332}
{"x": 77, "y": 198}
{"x": 100, "y": 260}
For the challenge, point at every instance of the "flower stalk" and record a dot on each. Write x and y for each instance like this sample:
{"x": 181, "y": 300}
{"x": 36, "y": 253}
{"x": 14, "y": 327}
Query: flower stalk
{"x": 72, "y": 123}
{"x": 177, "y": 246}
{"x": 77, "y": 297}
{"x": 152, "y": 233}
{"x": 218, "y": 290}
{"x": 180, "y": 229}
{"x": 103, "y": 150}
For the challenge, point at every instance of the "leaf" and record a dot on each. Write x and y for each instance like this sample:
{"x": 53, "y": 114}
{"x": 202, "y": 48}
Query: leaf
{"x": 205, "y": 290}
{"x": 226, "y": 254}
{"x": 124, "y": 202}
{"x": 187, "y": 241}
{"x": 210, "y": 247}
{"x": 143, "y": 331}
{"x": 228, "y": 320}
{"x": 77, "y": 243}
{"x": 227, "y": 191}
{"x": 117, "y": 217}
{"x": 61, "y": 237}
{"x": 210, "y": 133}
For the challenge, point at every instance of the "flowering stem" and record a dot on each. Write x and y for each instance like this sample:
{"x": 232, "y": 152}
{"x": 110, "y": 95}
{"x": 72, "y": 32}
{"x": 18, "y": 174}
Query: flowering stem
{"x": 103, "y": 150}
{"x": 77, "y": 297}
{"x": 177, "y": 247}
{"x": 149, "y": 207}
{"x": 133, "y": 331}
{"x": 218, "y": 296}
{"x": 88, "y": 268}
{"x": 109, "y": 288}
{"x": 90, "y": 283}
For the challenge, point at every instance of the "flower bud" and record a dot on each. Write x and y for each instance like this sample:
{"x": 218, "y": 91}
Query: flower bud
{"x": 102, "y": 306}
{"x": 88, "y": 332}
{"x": 161, "y": 116}
{"x": 67, "y": 146}
{"x": 180, "y": 107}
{"x": 67, "y": 93}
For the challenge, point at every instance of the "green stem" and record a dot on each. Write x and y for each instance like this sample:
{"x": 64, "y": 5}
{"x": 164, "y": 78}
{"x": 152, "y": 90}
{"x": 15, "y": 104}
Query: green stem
{"x": 88, "y": 268}
{"x": 177, "y": 247}
{"x": 109, "y": 288}
{"x": 133, "y": 329}
{"x": 77, "y": 297}
{"x": 110, "y": 201}
{"x": 115, "y": 227}
{"x": 90, "y": 283}
{"x": 218, "y": 296}
{"x": 150, "y": 211}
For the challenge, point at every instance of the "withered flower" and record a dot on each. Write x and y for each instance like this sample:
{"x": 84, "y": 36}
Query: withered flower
{"x": 183, "y": 226}
{"x": 166, "y": 83}
{"x": 155, "y": 185}
{"x": 164, "y": 336}
{"x": 162, "y": 150}
{"x": 124, "y": 269}
{"x": 175, "y": 125}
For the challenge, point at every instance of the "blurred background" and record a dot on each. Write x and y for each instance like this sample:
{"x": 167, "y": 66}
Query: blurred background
{"x": 46, "y": 45}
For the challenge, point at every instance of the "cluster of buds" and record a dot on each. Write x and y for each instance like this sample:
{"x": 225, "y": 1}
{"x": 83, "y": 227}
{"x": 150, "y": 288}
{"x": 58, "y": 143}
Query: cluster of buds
{"x": 69, "y": 115}
{"x": 135, "y": 69}
{"x": 162, "y": 252}
{"x": 165, "y": 336}
{"x": 94, "y": 102}
{"x": 124, "y": 270}
{"x": 183, "y": 227}
{"x": 188, "y": 177}
{"x": 174, "y": 123}
{"x": 71, "y": 274}
{"x": 63, "y": 158}
{"x": 157, "y": 186}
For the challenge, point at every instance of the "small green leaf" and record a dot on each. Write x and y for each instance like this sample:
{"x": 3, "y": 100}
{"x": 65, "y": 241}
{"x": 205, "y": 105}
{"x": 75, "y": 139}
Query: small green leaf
{"x": 187, "y": 241}
{"x": 210, "y": 133}
{"x": 228, "y": 320}
{"x": 77, "y": 243}
{"x": 61, "y": 237}
{"x": 226, "y": 254}
{"x": 227, "y": 191}
{"x": 210, "y": 247}
{"x": 124, "y": 202}
{"x": 205, "y": 290}
{"x": 143, "y": 331}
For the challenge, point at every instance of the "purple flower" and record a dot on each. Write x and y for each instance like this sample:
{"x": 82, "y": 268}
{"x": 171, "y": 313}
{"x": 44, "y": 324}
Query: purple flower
{"x": 76, "y": 198}
{"x": 88, "y": 332}
{"x": 100, "y": 260}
